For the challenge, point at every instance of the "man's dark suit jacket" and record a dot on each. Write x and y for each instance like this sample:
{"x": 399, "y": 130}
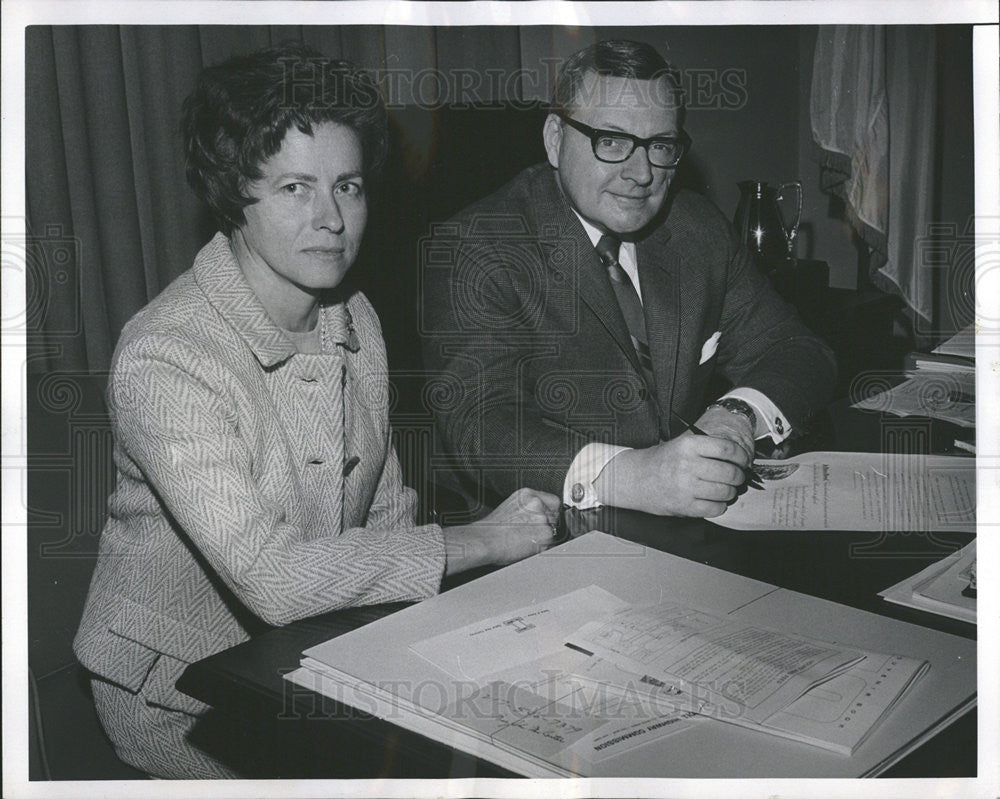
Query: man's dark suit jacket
{"x": 533, "y": 355}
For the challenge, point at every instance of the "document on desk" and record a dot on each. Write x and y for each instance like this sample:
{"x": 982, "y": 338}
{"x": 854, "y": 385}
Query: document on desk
{"x": 950, "y": 397}
{"x": 962, "y": 344}
{"x": 596, "y": 725}
{"x": 947, "y": 587}
{"x": 554, "y": 711}
{"x": 841, "y": 713}
{"x": 859, "y": 491}
{"x": 837, "y": 714}
{"x": 513, "y": 639}
{"x": 749, "y": 671}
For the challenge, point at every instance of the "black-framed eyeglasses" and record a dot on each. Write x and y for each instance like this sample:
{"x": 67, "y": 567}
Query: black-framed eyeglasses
{"x": 615, "y": 146}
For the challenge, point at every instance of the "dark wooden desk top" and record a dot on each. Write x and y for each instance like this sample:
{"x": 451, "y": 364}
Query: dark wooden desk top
{"x": 246, "y": 682}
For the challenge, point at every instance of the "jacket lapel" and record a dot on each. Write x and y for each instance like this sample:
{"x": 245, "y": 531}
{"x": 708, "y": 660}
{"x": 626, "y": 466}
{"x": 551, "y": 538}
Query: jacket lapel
{"x": 659, "y": 279}
{"x": 583, "y": 264}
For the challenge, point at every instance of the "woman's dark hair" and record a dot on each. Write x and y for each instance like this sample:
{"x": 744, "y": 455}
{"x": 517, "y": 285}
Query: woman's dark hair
{"x": 241, "y": 109}
{"x": 619, "y": 58}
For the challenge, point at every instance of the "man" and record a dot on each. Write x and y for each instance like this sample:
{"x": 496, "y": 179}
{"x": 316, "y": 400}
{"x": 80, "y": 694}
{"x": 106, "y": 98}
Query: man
{"x": 578, "y": 314}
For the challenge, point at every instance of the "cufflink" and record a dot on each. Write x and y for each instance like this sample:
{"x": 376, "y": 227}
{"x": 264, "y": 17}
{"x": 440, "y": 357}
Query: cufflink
{"x": 577, "y": 492}
{"x": 778, "y": 425}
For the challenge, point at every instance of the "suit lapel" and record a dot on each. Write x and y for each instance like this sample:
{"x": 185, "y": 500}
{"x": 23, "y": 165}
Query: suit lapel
{"x": 659, "y": 280}
{"x": 593, "y": 285}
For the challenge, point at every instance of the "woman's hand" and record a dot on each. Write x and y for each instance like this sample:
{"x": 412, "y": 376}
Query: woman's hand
{"x": 523, "y": 524}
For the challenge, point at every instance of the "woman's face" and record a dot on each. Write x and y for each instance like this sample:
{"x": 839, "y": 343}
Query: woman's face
{"x": 303, "y": 233}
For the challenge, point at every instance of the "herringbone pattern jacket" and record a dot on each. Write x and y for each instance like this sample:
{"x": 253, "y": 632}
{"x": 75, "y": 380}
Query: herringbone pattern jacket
{"x": 254, "y": 483}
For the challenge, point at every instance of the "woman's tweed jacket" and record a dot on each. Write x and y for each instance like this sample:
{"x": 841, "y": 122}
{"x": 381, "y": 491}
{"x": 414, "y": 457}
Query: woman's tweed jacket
{"x": 231, "y": 504}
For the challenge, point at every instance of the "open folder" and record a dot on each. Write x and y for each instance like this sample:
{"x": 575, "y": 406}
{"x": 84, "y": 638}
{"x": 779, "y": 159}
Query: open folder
{"x": 605, "y": 658}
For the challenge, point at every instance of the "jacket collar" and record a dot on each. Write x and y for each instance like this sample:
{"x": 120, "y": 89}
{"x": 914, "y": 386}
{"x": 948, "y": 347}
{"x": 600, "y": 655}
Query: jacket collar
{"x": 221, "y": 279}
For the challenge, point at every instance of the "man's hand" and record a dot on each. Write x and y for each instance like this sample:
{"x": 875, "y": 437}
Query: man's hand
{"x": 688, "y": 475}
{"x": 719, "y": 422}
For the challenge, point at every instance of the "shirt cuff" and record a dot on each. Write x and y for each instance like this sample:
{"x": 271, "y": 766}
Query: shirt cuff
{"x": 578, "y": 487}
{"x": 768, "y": 415}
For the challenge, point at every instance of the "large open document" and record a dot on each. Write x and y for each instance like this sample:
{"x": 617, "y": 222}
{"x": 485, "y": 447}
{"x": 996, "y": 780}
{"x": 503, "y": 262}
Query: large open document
{"x": 662, "y": 664}
{"x": 512, "y": 668}
{"x": 859, "y": 491}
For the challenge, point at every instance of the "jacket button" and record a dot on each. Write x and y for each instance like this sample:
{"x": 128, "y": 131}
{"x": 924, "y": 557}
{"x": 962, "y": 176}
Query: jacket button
{"x": 577, "y": 492}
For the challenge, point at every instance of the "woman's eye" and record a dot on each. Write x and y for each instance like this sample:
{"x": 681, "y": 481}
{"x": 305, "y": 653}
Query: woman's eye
{"x": 293, "y": 188}
{"x": 349, "y": 188}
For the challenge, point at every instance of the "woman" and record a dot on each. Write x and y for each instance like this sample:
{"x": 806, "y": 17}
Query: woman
{"x": 256, "y": 478}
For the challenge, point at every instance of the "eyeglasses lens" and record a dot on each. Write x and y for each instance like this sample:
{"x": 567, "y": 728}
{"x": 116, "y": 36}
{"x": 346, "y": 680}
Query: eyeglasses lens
{"x": 662, "y": 153}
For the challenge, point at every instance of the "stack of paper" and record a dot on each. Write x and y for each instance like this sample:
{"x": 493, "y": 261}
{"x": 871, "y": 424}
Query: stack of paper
{"x": 551, "y": 684}
{"x": 949, "y": 396}
{"x": 940, "y": 385}
{"x": 715, "y": 678}
{"x": 947, "y": 587}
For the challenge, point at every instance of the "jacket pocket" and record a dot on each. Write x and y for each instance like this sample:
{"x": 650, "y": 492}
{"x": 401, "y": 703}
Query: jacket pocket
{"x": 148, "y": 673}
{"x": 160, "y": 687}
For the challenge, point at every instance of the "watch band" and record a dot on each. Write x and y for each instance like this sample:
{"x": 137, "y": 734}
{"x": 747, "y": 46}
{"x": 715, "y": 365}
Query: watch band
{"x": 738, "y": 406}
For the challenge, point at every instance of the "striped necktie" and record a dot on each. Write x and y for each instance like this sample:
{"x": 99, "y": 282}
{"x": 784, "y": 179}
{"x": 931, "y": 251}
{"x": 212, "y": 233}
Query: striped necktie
{"x": 628, "y": 301}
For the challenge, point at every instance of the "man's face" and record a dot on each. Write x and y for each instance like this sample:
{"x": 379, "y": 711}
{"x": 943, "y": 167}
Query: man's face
{"x": 616, "y": 198}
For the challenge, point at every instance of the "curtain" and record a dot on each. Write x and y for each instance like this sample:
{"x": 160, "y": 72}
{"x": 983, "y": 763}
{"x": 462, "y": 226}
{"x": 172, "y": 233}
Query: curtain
{"x": 873, "y": 109}
{"x": 110, "y": 220}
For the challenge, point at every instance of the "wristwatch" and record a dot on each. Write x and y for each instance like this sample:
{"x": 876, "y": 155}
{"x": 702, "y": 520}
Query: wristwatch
{"x": 738, "y": 406}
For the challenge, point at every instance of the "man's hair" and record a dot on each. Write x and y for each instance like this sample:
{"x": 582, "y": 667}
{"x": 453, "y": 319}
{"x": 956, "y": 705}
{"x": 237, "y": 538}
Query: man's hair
{"x": 241, "y": 109}
{"x": 619, "y": 58}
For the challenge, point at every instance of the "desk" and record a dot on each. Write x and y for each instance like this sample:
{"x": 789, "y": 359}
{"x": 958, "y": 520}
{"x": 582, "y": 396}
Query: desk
{"x": 324, "y": 739}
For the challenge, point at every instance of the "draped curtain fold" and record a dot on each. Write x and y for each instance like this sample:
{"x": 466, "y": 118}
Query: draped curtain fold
{"x": 110, "y": 220}
{"x": 873, "y": 110}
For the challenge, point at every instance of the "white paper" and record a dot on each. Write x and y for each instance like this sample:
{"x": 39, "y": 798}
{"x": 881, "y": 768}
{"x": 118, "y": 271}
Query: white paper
{"x": 518, "y": 717}
{"x": 938, "y": 588}
{"x": 962, "y": 344}
{"x": 859, "y": 491}
{"x": 493, "y": 645}
{"x": 627, "y": 732}
{"x": 949, "y": 397}
{"x": 839, "y": 714}
{"x": 741, "y": 669}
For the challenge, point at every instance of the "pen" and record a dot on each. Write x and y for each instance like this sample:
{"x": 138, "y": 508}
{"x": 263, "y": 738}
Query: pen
{"x": 753, "y": 479}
